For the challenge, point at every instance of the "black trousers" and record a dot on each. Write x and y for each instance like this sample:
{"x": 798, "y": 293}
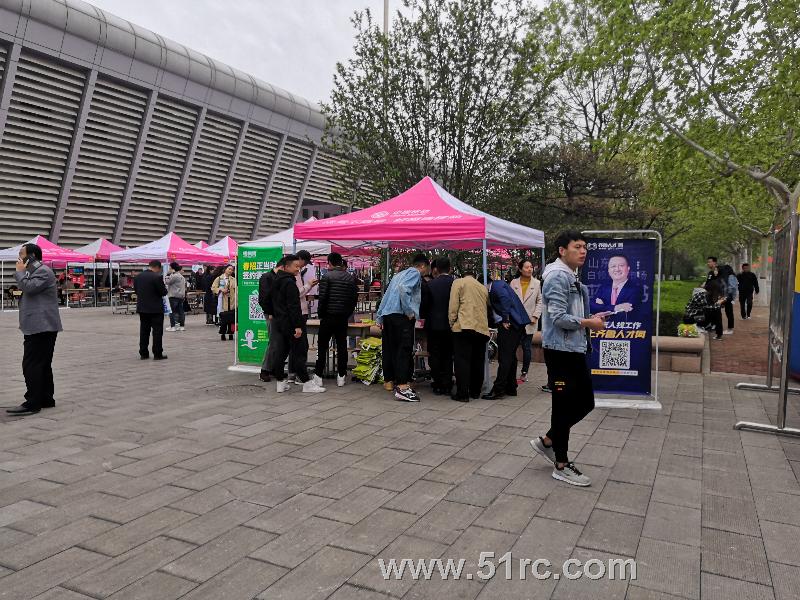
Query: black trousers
{"x": 573, "y": 396}
{"x": 398, "y": 348}
{"x": 507, "y": 342}
{"x": 714, "y": 317}
{"x": 37, "y": 368}
{"x": 746, "y": 304}
{"x": 729, "y": 314}
{"x": 440, "y": 359}
{"x": 284, "y": 345}
{"x": 299, "y": 353}
{"x": 226, "y": 320}
{"x": 151, "y": 322}
{"x": 469, "y": 352}
{"x": 269, "y": 355}
{"x": 332, "y": 327}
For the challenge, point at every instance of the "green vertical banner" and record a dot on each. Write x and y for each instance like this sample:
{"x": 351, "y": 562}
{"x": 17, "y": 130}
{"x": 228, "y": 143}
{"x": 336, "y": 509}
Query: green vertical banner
{"x": 251, "y": 328}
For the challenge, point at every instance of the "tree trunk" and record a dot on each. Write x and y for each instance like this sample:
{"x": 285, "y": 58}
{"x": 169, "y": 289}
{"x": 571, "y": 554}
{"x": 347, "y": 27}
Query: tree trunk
{"x": 764, "y": 274}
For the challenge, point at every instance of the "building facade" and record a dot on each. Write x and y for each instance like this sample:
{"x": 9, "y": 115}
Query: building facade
{"x": 110, "y": 130}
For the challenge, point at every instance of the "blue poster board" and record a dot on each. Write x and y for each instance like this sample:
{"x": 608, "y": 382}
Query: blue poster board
{"x": 619, "y": 274}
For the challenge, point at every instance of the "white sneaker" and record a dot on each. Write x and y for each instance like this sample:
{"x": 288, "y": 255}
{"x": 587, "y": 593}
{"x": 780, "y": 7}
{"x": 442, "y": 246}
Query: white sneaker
{"x": 171, "y": 329}
{"x": 283, "y": 386}
{"x": 341, "y": 380}
{"x": 728, "y": 332}
{"x": 570, "y": 474}
{"x": 317, "y": 380}
{"x": 311, "y": 387}
{"x": 546, "y": 451}
{"x": 181, "y": 328}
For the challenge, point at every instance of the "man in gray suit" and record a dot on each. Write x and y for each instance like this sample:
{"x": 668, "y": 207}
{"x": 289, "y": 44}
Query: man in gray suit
{"x": 40, "y": 323}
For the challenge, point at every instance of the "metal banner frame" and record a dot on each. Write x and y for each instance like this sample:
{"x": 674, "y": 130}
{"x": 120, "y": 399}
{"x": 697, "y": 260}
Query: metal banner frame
{"x": 780, "y": 328}
{"x": 650, "y": 404}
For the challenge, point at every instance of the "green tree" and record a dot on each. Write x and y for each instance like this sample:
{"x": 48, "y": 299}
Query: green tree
{"x": 449, "y": 93}
{"x": 733, "y": 63}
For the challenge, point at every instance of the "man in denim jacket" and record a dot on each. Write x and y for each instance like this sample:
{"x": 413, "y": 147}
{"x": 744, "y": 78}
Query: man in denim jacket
{"x": 397, "y": 316}
{"x": 565, "y": 323}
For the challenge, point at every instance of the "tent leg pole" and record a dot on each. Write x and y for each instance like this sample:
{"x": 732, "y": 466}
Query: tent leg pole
{"x": 487, "y": 379}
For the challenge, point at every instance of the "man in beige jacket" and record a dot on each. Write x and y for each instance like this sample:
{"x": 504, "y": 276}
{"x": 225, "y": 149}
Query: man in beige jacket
{"x": 529, "y": 290}
{"x": 469, "y": 320}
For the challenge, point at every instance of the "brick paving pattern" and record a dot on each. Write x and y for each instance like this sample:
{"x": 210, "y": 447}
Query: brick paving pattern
{"x": 746, "y": 350}
{"x": 183, "y": 480}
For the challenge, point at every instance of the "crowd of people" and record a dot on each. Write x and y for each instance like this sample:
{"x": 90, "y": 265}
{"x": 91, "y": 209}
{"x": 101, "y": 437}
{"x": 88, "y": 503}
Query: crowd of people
{"x": 457, "y": 314}
{"x": 718, "y": 294}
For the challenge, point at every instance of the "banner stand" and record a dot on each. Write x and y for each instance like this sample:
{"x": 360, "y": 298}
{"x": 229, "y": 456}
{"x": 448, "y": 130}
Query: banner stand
{"x": 251, "y": 335}
{"x": 649, "y": 401}
{"x": 779, "y": 345}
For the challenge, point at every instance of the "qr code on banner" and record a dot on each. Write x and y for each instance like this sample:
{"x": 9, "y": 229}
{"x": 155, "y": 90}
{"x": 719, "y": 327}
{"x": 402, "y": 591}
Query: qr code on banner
{"x": 615, "y": 354}
{"x": 256, "y": 312}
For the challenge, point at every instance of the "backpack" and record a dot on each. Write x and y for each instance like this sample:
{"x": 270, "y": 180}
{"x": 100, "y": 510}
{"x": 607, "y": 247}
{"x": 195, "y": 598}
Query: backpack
{"x": 733, "y": 286}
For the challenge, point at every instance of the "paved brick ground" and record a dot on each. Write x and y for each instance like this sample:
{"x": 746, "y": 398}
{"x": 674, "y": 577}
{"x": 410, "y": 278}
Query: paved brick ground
{"x": 182, "y": 480}
{"x": 746, "y": 350}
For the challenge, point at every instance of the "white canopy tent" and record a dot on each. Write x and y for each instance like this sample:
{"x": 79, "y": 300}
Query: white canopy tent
{"x": 286, "y": 239}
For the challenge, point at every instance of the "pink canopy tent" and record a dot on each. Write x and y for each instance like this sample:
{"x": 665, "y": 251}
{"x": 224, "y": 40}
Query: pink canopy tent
{"x": 226, "y": 247}
{"x": 425, "y": 215}
{"x": 201, "y": 244}
{"x": 99, "y": 250}
{"x": 171, "y": 247}
{"x": 52, "y": 254}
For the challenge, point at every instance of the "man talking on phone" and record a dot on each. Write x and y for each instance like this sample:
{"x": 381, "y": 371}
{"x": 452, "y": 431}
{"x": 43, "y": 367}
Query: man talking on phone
{"x": 565, "y": 340}
{"x": 40, "y": 323}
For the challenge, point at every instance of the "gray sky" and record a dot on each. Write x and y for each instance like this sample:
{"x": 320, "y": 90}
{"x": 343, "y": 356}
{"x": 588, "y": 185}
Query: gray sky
{"x": 293, "y": 44}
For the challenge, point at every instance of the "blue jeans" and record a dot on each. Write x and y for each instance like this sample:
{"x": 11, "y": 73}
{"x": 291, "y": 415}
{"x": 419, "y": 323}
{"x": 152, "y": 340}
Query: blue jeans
{"x": 527, "y": 341}
{"x": 177, "y": 315}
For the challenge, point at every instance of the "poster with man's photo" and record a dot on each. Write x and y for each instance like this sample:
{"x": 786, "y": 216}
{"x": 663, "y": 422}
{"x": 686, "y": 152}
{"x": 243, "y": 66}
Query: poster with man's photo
{"x": 620, "y": 274}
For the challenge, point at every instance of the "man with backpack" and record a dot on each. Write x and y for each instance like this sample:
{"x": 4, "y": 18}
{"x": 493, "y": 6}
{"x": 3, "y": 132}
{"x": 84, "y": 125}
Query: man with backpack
{"x": 338, "y": 296}
{"x": 265, "y": 283}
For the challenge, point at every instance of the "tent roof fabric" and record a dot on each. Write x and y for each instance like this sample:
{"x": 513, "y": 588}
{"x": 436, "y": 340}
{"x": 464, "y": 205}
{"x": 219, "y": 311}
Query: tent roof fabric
{"x": 226, "y": 247}
{"x": 286, "y": 239}
{"x": 100, "y": 249}
{"x": 424, "y": 215}
{"x": 168, "y": 248}
{"x": 51, "y": 253}
{"x": 201, "y": 244}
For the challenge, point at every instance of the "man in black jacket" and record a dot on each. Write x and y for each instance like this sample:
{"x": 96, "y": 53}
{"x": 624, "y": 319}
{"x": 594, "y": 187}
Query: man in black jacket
{"x": 437, "y": 327}
{"x": 265, "y": 283}
{"x": 748, "y": 283}
{"x": 150, "y": 291}
{"x": 338, "y": 296}
{"x": 287, "y": 327}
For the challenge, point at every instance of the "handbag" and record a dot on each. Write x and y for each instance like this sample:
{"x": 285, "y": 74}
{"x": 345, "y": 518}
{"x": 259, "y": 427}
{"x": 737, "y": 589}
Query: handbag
{"x": 227, "y": 317}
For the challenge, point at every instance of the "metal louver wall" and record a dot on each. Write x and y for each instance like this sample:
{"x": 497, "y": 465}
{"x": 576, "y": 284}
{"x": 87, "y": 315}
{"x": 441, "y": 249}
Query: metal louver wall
{"x": 322, "y": 185}
{"x": 286, "y": 188}
{"x": 160, "y": 172}
{"x": 104, "y": 162}
{"x": 207, "y": 178}
{"x": 44, "y": 105}
{"x": 249, "y": 181}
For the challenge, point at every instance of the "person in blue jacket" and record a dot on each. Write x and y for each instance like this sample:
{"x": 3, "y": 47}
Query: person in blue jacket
{"x": 510, "y": 318}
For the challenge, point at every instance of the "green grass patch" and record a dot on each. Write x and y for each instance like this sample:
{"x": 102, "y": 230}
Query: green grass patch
{"x": 675, "y": 295}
